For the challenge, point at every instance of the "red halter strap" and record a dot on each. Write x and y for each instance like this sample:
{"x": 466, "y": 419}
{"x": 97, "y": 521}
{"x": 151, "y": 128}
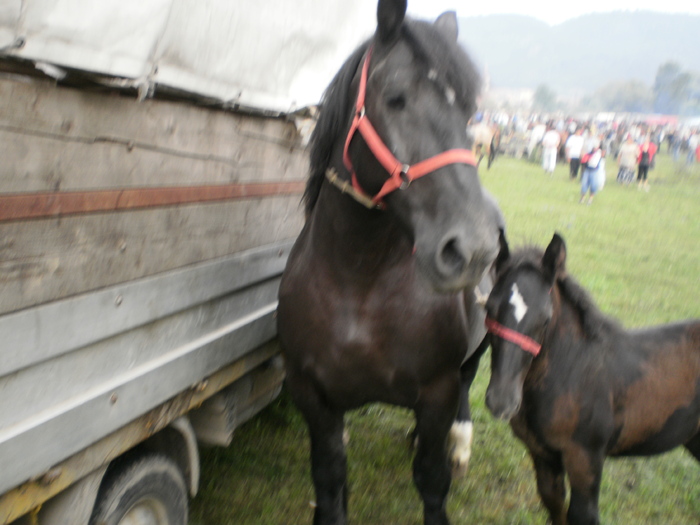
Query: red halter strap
{"x": 400, "y": 175}
{"x": 526, "y": 343}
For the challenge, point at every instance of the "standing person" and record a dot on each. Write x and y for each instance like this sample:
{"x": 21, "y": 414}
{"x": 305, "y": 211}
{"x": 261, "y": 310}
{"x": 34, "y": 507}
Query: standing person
{"x": 536, "y": 134}
{"x": 591, "y": 163}
{"x": 676, "y": 145}
{"x": 591, "y": 140}
{"x": 573, "y": 149}
{"x": 693, "y": 143}
{"x": 627, "y": 159}
{"x": 644, "y": 160}
{"x": 550, "y": 145}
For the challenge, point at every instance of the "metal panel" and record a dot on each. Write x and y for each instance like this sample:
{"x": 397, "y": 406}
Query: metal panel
{"x": 45, "y": 332}
{"x": 30, "y": 447}
{"x": 27, "y": 496}
{"x": 44, "y": 385}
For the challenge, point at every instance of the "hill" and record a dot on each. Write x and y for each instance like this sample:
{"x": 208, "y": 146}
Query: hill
{"x": 581, "y": 54}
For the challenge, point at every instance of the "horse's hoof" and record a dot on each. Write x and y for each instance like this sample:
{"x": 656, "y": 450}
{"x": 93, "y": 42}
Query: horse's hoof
{"x": 460, "y": 446}
{"x": 459, "y": 468}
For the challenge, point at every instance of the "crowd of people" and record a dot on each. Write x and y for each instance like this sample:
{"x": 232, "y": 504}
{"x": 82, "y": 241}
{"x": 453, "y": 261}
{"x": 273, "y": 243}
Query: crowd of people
{"x": 586, "y": 145}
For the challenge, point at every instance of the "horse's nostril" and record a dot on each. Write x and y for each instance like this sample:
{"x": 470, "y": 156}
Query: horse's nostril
{"x": 451, "y": 257}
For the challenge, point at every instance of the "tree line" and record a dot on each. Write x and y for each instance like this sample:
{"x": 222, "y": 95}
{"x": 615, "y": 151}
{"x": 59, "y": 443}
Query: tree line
{"x": 675, "y": 92}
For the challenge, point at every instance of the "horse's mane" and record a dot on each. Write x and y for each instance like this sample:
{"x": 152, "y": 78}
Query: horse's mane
{"x": 447, "y": 59}
{"x": 594, "y": 323}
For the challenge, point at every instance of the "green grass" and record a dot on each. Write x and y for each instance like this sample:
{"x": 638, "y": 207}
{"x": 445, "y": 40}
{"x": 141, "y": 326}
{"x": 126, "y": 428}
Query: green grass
{"x": 636, "y": 252}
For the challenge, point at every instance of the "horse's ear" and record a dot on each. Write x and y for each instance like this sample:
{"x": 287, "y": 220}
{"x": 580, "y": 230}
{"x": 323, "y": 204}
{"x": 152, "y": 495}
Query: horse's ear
{"x": 390, "y": 15}
{"x": 503, "y": 252}
{"x": 447, "y": 24}
{"x": 554, "y": 259}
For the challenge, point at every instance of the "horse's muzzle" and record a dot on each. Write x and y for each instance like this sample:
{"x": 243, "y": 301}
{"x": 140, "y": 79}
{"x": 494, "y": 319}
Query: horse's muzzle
{"x": 503, "y": 406}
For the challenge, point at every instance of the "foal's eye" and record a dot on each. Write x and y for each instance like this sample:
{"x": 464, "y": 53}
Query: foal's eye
{"x": 397, "y": 101}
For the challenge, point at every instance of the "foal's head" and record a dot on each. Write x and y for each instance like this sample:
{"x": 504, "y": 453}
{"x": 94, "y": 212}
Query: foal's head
{"x": 420, "y": 90}
{"x": 519, "y": 310}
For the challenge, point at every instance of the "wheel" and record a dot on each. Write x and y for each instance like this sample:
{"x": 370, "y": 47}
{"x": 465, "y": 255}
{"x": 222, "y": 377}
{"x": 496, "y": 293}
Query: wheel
{"x": 149, "y": 490}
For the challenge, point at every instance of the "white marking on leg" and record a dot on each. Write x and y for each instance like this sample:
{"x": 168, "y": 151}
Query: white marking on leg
{"x": 518, "y": 303}
{"x": 460, "y": 442}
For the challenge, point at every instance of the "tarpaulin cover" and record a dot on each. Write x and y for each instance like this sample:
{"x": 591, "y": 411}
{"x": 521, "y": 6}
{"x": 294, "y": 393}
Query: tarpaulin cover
{"x": 270, "y": 55}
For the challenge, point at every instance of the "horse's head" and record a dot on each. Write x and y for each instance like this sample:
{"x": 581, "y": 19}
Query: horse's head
{"x": 416, "y": 88}
{"x": 519, "y": 310}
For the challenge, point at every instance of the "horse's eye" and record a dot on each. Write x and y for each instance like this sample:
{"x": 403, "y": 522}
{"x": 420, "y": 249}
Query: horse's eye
{"x": 397, "y": 101}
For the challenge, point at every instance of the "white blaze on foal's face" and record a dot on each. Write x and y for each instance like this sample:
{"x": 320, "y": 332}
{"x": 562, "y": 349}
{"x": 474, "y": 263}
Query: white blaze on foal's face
{"x": 518, "y": 303}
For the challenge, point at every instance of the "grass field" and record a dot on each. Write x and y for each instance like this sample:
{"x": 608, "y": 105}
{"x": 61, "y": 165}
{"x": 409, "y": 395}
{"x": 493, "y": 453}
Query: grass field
{"x": 638, "y": 255}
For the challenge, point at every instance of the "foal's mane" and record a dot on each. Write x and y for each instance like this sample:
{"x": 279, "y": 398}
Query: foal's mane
{"x": 435, "y": 52}
{"x": 594, "y": 323}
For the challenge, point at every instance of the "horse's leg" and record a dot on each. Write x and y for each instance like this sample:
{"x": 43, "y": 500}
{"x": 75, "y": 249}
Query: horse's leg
{"x": 328, "y": 459}
{"x": 435, "y": 413}
{"x": 693, "y": 446}
{"x": 551, "y": 486}
{"x": 585, "y": 470}
{"x": 461, "y": 433}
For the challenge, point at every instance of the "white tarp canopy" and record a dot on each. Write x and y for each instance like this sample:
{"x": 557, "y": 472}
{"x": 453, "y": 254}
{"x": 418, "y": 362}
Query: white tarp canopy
{"x": 270, "y": 55}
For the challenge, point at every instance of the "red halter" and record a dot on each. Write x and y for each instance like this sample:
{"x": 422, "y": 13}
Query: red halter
{"x": 526, "y": 343}
{"x": 400, "y": 175}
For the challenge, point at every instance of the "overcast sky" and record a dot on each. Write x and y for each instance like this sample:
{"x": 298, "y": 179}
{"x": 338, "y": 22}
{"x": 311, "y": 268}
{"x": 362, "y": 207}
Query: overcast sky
{"x": 550, "y": 11}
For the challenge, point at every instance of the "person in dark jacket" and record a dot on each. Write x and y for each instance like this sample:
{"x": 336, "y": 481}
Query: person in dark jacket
{"x": 644, "y": 160}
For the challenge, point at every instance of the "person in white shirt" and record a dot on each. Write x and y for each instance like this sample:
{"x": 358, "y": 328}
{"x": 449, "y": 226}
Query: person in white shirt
{"x": 573, "y": 148}
{"x": 550, "y": 146}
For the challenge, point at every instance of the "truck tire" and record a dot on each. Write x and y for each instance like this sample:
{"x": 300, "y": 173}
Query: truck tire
{"x": 149, "y": 490}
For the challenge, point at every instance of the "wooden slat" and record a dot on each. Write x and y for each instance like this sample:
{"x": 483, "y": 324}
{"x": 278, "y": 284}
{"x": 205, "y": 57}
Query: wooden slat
{"x": 41, "y": 205}
{"x": 43, "y": 260}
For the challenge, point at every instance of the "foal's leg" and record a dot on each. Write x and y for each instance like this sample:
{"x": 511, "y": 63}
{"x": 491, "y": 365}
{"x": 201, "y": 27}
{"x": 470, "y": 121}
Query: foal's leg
{"x": 435, "y": 413}
{"x": 461, "y": 433}
{"x": 328, "y": 459}
{"x": 551, "y": 486}
{"x": 585, "y": 470}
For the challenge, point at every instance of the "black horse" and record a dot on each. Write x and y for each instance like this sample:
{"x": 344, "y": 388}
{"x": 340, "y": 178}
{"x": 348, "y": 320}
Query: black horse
{"x": 577, "y": 387}
{"x": 372, "y": 304}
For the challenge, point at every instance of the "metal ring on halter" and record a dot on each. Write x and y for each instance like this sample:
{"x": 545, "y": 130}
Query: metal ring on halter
{"x": 403, "y": 174}
{"x": 361, "y": 113}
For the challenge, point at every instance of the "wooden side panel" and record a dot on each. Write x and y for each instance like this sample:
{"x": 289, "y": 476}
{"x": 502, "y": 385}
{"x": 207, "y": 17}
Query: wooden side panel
{"x": 45, "y": 260}
{"x": 63, "y": 139}
{"x": 58, "y": 141}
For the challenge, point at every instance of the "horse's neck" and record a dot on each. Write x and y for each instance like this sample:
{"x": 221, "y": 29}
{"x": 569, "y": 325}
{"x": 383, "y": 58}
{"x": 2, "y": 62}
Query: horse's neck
{"x": 575, "y": 346}
{"x": 346, "y": 233}
{"x": 565, "y": 327}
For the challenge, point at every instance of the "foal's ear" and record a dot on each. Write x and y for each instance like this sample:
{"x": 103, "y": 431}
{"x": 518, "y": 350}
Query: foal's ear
{"x": 390, "y": 15}
{"x": 447, "y": 24}
{"x": 503, "y": 252}
{"x": 554, "y": 259}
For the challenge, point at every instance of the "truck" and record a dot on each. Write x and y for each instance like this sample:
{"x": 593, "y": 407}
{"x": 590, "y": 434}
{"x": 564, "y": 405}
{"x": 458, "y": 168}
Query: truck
{"x": 152, "y": 163}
